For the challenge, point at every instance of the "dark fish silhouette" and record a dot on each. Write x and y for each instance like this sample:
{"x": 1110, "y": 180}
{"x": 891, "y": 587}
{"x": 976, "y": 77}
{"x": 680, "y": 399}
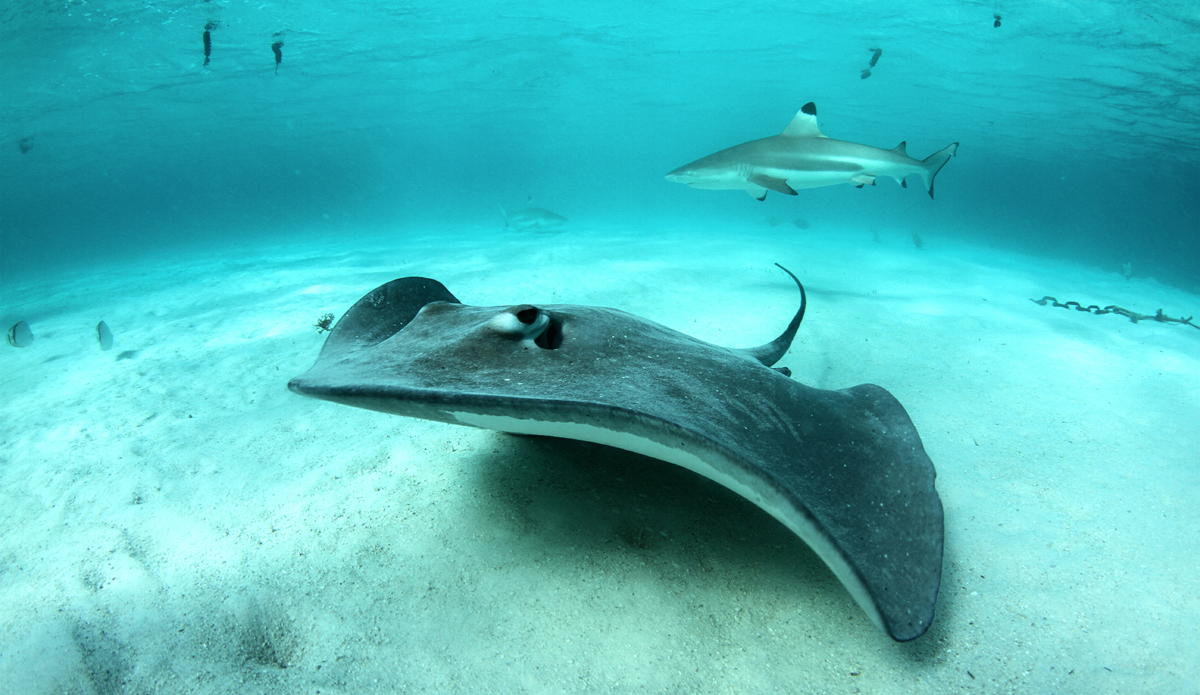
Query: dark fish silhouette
{"x": 208, "y": 28}
{"x": 874, "y": 59}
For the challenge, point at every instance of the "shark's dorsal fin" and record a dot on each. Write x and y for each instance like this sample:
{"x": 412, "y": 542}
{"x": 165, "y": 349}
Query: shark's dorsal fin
{"x": 804, "y": 125}
{"x": 901, "y": 149}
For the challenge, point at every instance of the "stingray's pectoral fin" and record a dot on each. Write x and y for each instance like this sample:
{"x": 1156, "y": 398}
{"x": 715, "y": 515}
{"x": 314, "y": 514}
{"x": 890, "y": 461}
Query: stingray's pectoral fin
{"x": 880, "y": 520}
{"x": 772, "y": 184}
{"x": 382, "y": 312}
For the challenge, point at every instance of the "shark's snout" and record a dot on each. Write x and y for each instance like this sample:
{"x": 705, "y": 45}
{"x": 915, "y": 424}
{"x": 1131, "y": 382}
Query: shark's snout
{"x": 682, "y": 175}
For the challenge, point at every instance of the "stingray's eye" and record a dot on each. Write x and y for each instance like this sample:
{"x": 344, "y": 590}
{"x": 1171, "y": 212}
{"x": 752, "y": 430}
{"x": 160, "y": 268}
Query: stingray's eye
{"x": 522, "y": 322}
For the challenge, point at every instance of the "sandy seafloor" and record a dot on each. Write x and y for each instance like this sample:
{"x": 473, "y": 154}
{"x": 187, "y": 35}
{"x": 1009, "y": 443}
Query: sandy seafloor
{"x": 176, "y": 521}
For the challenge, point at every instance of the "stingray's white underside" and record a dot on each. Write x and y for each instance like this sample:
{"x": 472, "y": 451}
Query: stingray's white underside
{"x": 711, "y": 465}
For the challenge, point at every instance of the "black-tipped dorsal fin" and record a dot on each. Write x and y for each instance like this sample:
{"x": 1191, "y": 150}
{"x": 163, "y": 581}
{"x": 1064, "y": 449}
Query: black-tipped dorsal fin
{"x": 901, "y": 149}
{"x": 804, "y": 125}
{"x": 774, "y": 351}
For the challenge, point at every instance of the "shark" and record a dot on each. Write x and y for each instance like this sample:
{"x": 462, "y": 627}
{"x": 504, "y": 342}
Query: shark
{"x": 530, "y": 218}
{"x": 804, "y": 157}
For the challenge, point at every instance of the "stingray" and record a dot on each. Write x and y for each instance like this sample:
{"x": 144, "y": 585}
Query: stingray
{"x": 845, "y": 470}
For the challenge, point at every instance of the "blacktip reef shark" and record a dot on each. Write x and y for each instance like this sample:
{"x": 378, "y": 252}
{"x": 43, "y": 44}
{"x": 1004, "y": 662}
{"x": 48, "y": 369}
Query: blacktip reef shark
{"x": 845, "y": 470}
{"x": 804, "y": 157}
{"x": 531, "y": 218}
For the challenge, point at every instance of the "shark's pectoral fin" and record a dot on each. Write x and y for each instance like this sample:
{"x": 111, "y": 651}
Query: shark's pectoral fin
{"x": 777, "y": 185}
{"x": 904, "y": 183}
{"x": 757, "y": 192}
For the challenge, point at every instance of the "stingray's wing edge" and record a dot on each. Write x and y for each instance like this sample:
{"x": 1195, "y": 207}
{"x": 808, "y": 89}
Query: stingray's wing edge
{"x": 381, "y": 313}
{"x": 722, "y": 471}
{"x": 688, "y": 450}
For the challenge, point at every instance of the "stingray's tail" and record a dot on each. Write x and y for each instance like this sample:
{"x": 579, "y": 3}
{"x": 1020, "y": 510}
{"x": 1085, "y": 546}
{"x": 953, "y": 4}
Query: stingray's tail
{"x": 934, "y": 163}
{"x": 774, "y": 351}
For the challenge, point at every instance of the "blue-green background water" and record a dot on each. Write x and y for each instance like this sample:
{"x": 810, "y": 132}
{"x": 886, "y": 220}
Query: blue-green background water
{"x": 1078, "y": 120}
{"x": 173, "y": 519}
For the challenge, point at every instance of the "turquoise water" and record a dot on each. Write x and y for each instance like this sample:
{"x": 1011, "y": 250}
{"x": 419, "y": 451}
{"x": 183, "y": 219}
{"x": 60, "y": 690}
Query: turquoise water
{"x": 175, "y": 520}
{"x": 1078, "y": 120}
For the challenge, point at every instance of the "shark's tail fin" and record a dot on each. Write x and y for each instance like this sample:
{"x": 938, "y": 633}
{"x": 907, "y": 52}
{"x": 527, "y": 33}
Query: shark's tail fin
{"x": 934, "y": 163}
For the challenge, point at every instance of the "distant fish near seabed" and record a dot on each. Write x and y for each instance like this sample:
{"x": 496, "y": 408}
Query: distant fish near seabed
{"x": 20, "y": 335}
{"x": 533, "y": 219}
{"x": 104, "y": 335}
{"x": 804, "y": 157}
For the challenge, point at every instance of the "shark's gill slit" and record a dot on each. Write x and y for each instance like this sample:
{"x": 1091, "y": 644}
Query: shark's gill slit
{"x": 551, "y": 338}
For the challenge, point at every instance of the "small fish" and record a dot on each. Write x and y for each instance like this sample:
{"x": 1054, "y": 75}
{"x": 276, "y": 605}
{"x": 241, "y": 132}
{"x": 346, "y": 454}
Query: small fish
{"x": 208, "y": 28}
{"x": 20, "y": 335}
{"x": 104, "y": 335}
{"x": 874, "y": 59}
